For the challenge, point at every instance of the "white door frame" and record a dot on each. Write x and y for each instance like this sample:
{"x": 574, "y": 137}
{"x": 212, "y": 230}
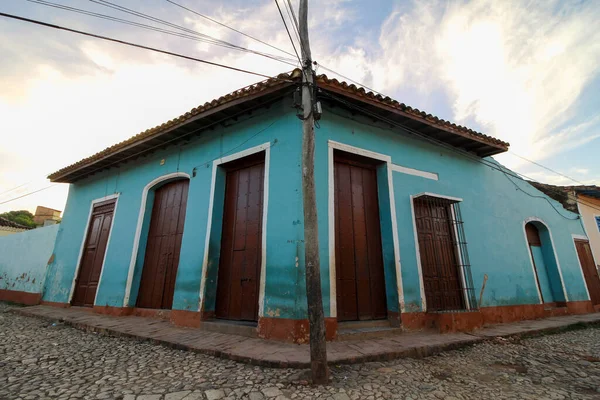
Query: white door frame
{"x": 562, "y": 282}
{"x": 85, "y": 235}
{"x": 138, "y": 229}
{"x": 266, "y": 147}
{"x": 332, "y": 145}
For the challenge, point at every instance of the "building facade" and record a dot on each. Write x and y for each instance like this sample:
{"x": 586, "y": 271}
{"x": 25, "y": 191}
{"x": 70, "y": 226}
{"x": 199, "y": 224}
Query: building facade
{"x": 418, "y": 225}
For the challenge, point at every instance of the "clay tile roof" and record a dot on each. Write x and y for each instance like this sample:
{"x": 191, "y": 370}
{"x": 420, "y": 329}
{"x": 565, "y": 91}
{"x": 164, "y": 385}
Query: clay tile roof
{"x": 10, "y": 224}
{"x": 282, "y": 80}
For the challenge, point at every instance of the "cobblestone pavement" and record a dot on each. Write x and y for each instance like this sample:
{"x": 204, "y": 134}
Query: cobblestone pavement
{"x": 40, "y": 359}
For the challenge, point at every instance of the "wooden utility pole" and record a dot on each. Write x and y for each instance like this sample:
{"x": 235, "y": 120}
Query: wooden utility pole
{"x": 316, "y": 319}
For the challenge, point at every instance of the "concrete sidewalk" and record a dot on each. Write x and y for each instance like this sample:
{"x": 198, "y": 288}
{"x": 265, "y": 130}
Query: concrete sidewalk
{"x": 286, "y": 355}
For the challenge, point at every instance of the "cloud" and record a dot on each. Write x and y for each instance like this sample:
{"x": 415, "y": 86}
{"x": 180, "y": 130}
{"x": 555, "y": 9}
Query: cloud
{"x": 515, "y": 69}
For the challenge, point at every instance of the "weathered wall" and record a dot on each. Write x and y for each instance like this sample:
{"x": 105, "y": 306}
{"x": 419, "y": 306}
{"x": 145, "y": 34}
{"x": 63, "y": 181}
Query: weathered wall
{"x": 284, "y": 253}
{"x": 23, "y": 259}
{"x": 494, "y": 211}
{"x": 589, "y": 211}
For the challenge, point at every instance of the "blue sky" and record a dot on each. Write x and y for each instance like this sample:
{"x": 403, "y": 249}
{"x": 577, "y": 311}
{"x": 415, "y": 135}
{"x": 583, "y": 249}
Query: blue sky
{"x": 526, "y": 72}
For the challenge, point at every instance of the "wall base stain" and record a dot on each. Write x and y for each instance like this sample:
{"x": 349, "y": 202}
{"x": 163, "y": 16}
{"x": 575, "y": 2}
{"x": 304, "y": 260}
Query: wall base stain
{"x": 292, "y": 330}
{"x": 15, "y": 296}
{"x": 469, "y": 320}
{"x": 55, "y": 304}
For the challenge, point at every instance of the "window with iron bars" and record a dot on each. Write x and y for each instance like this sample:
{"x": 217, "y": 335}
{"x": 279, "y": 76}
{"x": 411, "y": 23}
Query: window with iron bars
{"x": 445, "y": 264}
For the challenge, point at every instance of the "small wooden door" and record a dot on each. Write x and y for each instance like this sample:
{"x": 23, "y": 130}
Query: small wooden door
{"x": 590, "y": 273}
{"x": 438, "y": 255}
{"x": 241, "y": 240}
{"x": 93, "y": 254}
{"x": 360, "y": 280}
{"x": 163, "y": 246}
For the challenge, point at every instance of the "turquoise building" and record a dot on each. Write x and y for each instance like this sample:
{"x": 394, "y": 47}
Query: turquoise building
{"x": 201, "y": 220}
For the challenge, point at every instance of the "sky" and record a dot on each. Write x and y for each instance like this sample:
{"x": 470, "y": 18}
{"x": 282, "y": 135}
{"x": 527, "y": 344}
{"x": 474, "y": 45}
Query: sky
{"x": 525, "y": 72}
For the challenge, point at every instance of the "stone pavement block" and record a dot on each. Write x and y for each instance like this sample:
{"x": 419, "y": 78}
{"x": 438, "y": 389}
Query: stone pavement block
{"x": 279, "y": 354}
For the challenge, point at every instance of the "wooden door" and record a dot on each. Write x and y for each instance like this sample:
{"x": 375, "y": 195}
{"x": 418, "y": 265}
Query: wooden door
{"x": 94, "y": 250}
{"x": 360, "y": 280}
{"x": 438, "y": 254}
{"x": 163, "y": 246}
{"x": 590, "y": 273}
{"x": 241, "y": 241}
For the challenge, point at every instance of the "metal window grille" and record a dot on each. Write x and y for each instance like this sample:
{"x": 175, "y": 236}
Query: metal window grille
{"x": 445, "y": 263}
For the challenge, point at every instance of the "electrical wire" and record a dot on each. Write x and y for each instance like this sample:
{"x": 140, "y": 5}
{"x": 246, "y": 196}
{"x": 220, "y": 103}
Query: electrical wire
{"x": 445, "y": 145}
{"x": 28, "y": 194}
{"x": 295, "y": 27}
{"x": 547, "y": 168}
{"x": 16, "y": 187}
{"x": 173, "y": 25}
{"x": 229, "y": 27}
{"x": 196, "y": 36}
{"x": 37, "y": 22}
{"x": 288, "y": 32}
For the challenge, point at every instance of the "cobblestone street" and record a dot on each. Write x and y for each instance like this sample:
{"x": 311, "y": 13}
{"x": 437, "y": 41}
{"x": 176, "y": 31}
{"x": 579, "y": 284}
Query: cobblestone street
{"x": 40, "y": 360}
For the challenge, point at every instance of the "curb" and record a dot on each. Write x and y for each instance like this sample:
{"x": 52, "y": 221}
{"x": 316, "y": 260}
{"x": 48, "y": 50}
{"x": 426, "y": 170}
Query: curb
{"x": 411, "y": 352}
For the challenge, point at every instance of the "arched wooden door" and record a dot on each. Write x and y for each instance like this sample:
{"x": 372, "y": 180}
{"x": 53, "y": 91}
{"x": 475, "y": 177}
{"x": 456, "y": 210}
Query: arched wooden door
{"x": 539, "y": 264}
{"x": 164, "y": 243}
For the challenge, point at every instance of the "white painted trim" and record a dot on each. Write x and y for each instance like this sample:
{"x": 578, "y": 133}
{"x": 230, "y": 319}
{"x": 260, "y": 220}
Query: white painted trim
{"x": 411, "y": 171}
{"x": 439, "y": 196}
{"x": 263, "y": 260}
{"x": 85, "y": 233}
{"x": 580, "y": 237}
{"x": 331, "y": 210}
{"x": 266, "y": 147}
{"x": 138, "y": 229}
{"x": 535, "y": 277}
{"x": 331, "y": 218}
{"x": 361, "y": 152}
{"x": 418, "y": 254}
{"x": 562, "y": 282}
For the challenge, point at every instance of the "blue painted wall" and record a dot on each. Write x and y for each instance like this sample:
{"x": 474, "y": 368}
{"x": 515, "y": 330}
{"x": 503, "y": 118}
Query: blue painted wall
{"x": 494, "y": 210}
{"x": 24, "y": 257}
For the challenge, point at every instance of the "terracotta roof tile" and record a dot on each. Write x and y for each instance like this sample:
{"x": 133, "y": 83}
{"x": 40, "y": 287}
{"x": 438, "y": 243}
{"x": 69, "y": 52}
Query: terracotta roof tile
{"x": 10, "y": 224}
{"x": 282, "y": 79}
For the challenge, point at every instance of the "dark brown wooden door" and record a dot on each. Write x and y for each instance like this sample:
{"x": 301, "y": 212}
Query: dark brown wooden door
{"x": 438, "y": 255}
{"x": 93, "y": 254}
{"x": 241, "y": 241}
{"x": 360, "y": 280}
{"x": 163, "y": 247}
{"x": 589, "y": 269}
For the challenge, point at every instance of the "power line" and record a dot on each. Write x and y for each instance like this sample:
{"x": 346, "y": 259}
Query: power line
{"x": 546, "y": 168}
{"x": 33, "y": 21}
{"x": 228, "y": 27}
{"x": 294, "y": 24}
{"x": 192, "y": 36}
{"x": 16, "y": 187}
{"x": 28, "y": 194}
{"x": 173, "y": 25}
{"x": 445, "y": 145}
{"x": 288, "y": 32}
{"x": 519, "y": 177}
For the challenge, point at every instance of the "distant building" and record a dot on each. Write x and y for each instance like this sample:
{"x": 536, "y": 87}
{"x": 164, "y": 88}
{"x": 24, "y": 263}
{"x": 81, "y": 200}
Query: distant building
{"x": 8, "y": 227}
{"x": 45, "y": 216}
